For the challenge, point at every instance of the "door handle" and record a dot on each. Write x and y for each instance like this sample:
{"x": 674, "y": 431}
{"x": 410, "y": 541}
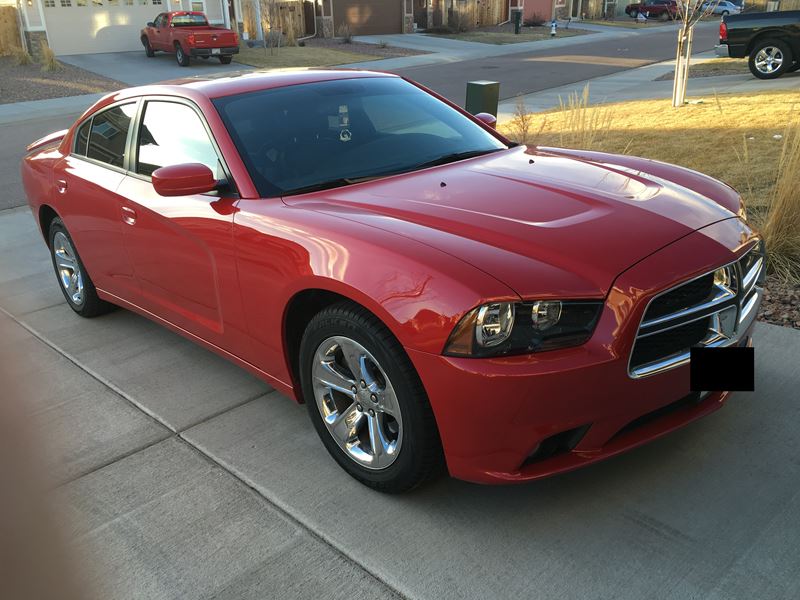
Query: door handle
{"x": 61, "y": 186}
{"x": 128, "y": 215}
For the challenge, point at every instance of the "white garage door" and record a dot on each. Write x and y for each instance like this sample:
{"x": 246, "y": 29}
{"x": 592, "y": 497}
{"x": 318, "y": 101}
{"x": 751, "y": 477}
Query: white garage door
{"x": 88, "y": 26}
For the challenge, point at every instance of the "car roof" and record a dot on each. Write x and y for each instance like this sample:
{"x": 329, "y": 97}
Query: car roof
{"x": 243, "y": 82}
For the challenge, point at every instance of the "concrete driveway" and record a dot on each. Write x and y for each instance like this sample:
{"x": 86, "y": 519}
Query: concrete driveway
{"x": 186, "y": 477}
{"x": 134, "y": 68}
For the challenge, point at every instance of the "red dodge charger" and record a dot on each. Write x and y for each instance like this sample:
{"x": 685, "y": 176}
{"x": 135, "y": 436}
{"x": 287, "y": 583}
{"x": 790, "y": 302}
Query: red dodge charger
{"x": 437, "y": 295}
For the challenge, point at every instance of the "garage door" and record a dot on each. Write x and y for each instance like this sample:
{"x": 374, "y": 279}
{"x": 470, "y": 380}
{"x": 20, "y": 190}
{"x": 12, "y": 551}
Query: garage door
{"x": 369, "y": 17}
{"x": 87, "y": 26}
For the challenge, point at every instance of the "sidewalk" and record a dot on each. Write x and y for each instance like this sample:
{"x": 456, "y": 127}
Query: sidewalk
{"x": 446, "y": 50}
{"x": 640, "y": 84}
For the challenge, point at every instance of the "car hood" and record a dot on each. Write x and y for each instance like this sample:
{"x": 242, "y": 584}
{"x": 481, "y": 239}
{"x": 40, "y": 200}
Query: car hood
{"x": 543, "y": 222}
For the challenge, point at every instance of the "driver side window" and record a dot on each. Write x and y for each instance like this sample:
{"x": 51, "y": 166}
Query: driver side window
{"x": 173, "y": 134}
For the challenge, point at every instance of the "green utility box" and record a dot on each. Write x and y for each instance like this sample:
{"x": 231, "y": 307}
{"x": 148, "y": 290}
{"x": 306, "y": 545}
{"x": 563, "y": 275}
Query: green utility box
{"x": 516, "y": 18}
{"x": 483, "y": 96}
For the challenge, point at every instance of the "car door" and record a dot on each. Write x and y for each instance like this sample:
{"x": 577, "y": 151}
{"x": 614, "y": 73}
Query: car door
{"x": 160, "y": 33}
{"x": 181, "y": 247}
{"x": 86, "y": 182}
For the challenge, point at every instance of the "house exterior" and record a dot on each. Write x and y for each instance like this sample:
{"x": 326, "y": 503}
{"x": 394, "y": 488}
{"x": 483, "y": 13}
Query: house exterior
{"x": 89, "y": 26}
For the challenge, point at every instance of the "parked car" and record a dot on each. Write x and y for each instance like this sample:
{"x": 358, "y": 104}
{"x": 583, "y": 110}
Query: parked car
{"x": 653, "y": 9}
{"x": 188, "y": 34}
{"x": 435, "y": 294}
{"x": 723, "y": 7}
{"x": 770, "y": 40}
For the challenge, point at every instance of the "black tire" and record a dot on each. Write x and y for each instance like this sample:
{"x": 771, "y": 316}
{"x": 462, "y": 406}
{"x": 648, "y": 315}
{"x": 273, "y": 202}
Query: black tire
{"x": 148, "y": 49}
{"x": 777, "y": 47}
{"x": 794, "y": 67}
{"x": 225, "y": 60}
{"x": 181, "y": 56}
{"x": 420, "y": 455}
{"x": 663, "y": 16}
{"x": 634, "y": 14}
{"x": 204, "y": 57}
{"x": 90, "y": 304}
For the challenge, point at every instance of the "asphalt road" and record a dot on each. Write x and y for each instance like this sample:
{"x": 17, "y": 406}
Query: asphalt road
{"x": 16, "y": 136}
{"x": 530, "y": 72}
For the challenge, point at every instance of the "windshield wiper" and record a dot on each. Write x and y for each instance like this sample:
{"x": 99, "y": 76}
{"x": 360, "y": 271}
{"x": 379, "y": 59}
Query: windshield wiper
{"x": 455, "y": 156}
{"x": 329, "y": 184}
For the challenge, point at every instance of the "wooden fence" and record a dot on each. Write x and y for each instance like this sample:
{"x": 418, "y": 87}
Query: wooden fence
{"x": 9, "y": 30}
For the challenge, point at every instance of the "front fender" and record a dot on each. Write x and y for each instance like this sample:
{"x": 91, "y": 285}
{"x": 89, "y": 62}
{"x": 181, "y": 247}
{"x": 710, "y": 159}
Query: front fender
{"x": 418, "y": 292}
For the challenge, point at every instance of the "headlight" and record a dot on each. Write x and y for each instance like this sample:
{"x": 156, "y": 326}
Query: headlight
{"x": 502, "y": 328}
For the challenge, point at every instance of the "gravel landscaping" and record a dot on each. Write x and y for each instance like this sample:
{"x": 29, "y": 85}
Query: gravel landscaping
{"x": 781, "y": 304}
{"x": 19, "y": 83}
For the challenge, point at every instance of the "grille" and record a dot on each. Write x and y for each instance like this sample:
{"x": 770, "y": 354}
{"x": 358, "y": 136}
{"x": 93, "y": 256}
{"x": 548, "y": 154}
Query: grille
{"x": 682, "y": 297}
{"x": 669, "y": 342}
{"x": 706, "y": 311}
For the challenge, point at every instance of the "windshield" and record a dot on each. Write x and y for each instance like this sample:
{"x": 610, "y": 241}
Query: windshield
{"x": 189, "y": 21}
{"x": 325, "y": 134}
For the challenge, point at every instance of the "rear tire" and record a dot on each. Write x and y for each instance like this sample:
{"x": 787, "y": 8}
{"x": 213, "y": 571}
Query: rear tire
{"x": 384, "y": 433}
{"x": 181, "y": 56}
{"x": 74, "y": 281}
{"x": 225, "y": 60}
{"x": 769, "y": 59}
{"x": 148, "y": 49}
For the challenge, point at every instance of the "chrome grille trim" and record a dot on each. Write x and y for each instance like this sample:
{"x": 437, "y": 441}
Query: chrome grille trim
{"x": 743, "y": 294}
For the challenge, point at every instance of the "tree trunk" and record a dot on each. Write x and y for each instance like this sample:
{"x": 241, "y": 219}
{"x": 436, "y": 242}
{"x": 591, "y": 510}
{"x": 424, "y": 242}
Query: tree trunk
{"x": 682, "y": 57}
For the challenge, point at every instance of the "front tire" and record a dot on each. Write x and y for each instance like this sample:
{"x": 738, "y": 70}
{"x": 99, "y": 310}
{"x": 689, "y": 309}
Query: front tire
{"x": 366, "y": 400}
{"x": 75, "y": 283}
{"x": 181, "y": 56}
{"x": 769, "y": 59}
{"x": 148, "y": 49}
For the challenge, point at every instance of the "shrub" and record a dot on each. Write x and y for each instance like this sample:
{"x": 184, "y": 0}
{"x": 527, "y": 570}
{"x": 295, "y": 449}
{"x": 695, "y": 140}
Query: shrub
{"x": 344, "y": 33}
{"x": 583, "y": 128}
{"x": 535, "y": 20}
{"x": 49, "y": 62}
{"x": 440, "y": 29}
{"x": 781, "y": 229}
{"x": 21, "y": 56}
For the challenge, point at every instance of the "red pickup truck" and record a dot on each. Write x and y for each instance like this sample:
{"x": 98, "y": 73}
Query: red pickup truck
{"x": 188, "y": 34}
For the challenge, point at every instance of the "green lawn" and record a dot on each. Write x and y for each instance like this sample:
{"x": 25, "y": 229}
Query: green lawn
{"x": 297, "y": 56}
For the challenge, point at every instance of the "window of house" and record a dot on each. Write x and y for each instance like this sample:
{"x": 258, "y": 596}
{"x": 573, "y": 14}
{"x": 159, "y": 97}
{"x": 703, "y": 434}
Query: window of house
{"x": 198, "y": 6}
{"x": 173, "y": 134}
{"x": 109, "y": 134}
{"x": 66, "y": 3}
{"x": 49, "y": 3}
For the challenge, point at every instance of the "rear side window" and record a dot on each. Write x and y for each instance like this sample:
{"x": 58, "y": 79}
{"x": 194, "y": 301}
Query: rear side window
{"x": 109, "y": 134}
{"x": 82, "y": 138}
{"x": 173, "y": 134}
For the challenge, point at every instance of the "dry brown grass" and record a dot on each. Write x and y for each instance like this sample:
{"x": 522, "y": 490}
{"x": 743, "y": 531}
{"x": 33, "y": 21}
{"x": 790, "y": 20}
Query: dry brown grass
{"x": 782, "y": 227}
{"x": 49, "y": 62}
{"x": 739, "y": 139}
{"x": 21, "y": 56}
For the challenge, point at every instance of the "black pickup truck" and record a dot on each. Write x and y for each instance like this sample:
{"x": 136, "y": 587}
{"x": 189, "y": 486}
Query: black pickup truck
{"x": 771, "y": 40}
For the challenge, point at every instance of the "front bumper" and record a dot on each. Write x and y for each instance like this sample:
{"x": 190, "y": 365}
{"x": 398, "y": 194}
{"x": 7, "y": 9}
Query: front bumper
{"x": 214, "y": 51}
{"x": 496, "y": 415}
{"x": 722, "y": 50}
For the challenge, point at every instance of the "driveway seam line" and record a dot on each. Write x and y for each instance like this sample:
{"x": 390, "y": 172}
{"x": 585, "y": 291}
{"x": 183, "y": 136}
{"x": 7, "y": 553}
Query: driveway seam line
{"x": 287, "y": 514}
{"x": 179, "y": 434}
{"x": 109, "y": 384}
{"x": 221, "y": 412}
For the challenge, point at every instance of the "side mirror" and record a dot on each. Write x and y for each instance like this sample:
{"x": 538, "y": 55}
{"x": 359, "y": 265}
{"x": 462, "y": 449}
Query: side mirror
{"x": 487, "y": 118}
{"x": 150, "y": 24}
{"x": 183, "y": 180}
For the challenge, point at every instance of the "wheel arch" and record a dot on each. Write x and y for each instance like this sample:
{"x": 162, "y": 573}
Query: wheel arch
{"x": 46, "y": 215}
{"x": 776, "y": 34}
{"x": 301, "y": 308}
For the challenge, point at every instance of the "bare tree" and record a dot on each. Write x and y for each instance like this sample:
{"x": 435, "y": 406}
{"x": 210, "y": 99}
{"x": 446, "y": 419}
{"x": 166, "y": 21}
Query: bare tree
{"x": 690, "y": 12}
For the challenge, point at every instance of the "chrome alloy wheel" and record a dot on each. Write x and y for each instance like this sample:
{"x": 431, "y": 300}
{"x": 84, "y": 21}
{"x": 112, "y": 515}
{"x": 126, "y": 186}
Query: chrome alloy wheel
{"x": 768, "y": 60}
{"x": 69, "y": 270}
{"x": 357, "y": 402}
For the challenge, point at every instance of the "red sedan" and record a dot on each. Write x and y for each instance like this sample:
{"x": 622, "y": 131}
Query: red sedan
{"x": 436, "y": 295}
